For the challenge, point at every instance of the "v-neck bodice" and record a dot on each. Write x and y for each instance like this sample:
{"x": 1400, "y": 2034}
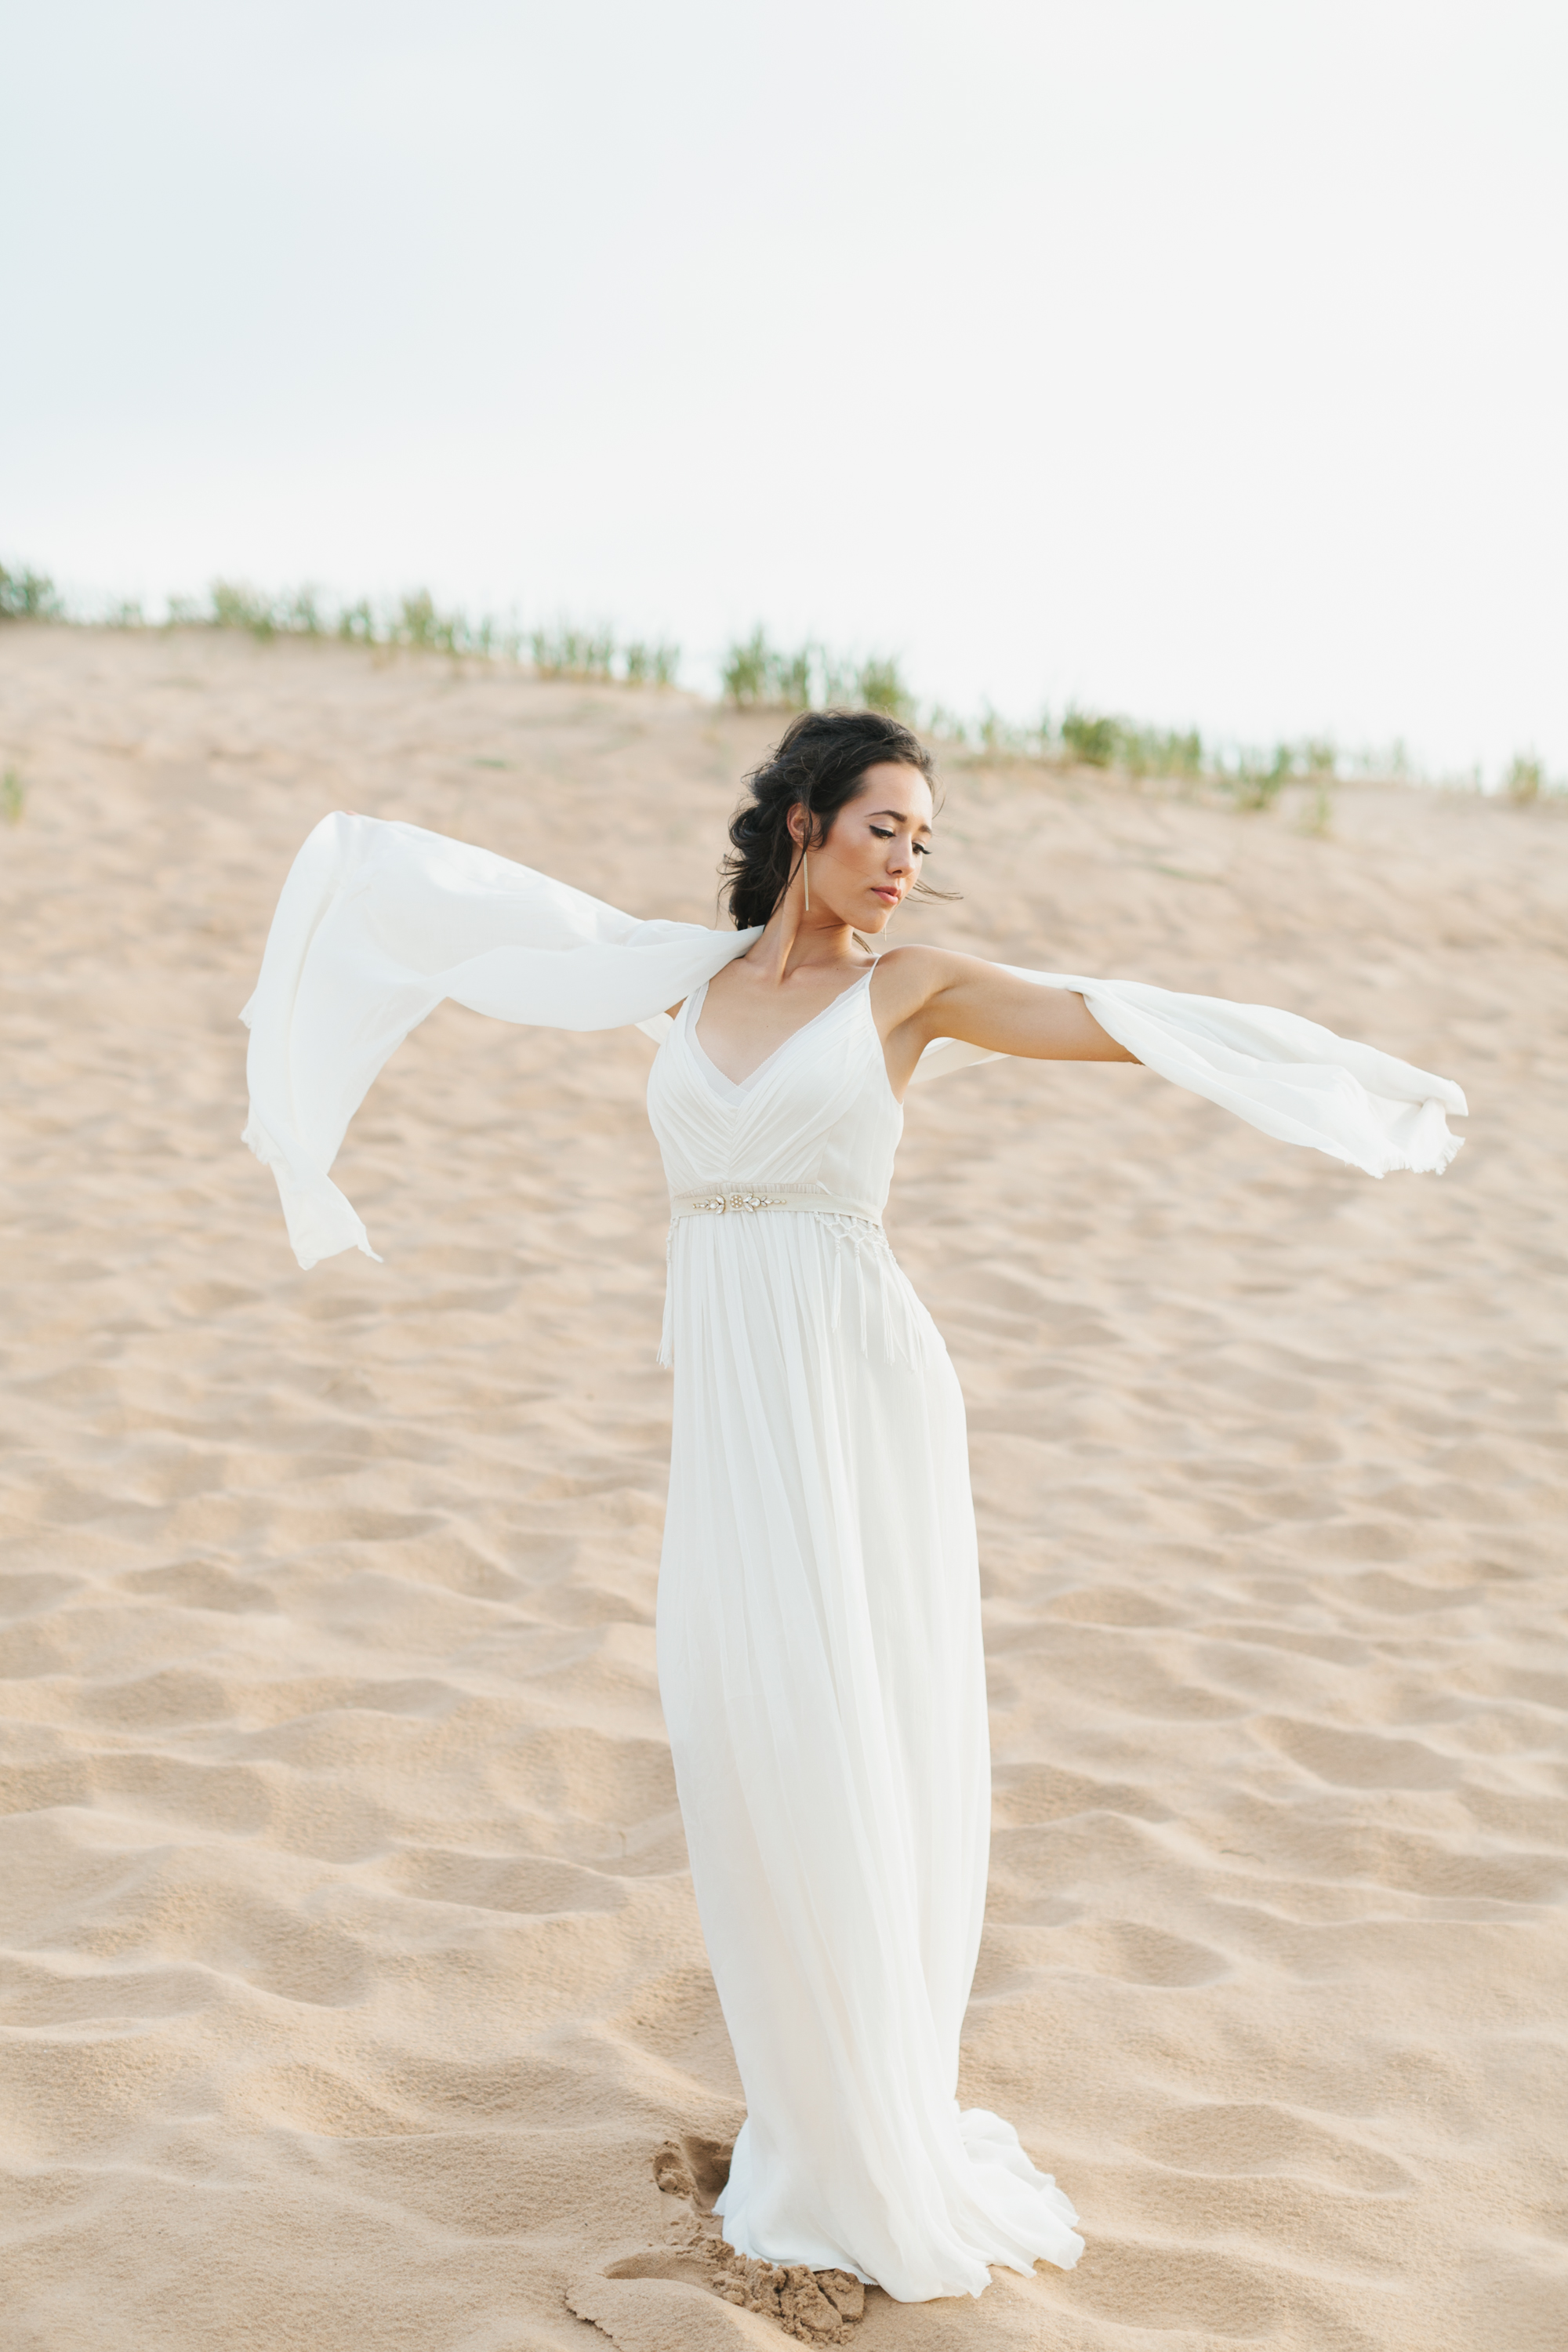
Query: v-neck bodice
{"x": 818, "y": 1112}
{"x": 727, "y": 1087}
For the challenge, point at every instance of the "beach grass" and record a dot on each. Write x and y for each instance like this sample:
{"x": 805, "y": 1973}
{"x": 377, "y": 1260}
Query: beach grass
{"x": 754, "y": 674}
{"x": 1250, "y": 780}
{"x": 757, "y": 676}
{"x": 417, "y": 622}
{"x": 1525, "y": 780}
{"x": 28, "y": 595}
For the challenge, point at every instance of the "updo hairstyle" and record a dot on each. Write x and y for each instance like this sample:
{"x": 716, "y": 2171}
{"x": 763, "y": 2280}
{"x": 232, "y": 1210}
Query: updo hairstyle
{"x": 817, "y": 764}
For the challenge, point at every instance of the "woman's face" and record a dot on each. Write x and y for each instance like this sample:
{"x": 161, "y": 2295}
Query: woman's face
{"x": 875, "y": 847}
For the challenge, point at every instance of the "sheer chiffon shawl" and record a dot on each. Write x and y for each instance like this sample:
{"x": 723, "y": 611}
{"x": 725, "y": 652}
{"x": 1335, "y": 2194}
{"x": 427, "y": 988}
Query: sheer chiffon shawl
{"x": 378, "y": 923}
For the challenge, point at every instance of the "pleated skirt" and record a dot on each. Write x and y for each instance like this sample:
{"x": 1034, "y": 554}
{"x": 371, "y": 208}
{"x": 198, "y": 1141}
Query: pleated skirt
{"x": 823, "y": 1684}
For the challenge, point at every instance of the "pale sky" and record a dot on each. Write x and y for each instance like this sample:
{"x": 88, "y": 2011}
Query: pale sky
{"x": 1204, "y": 361}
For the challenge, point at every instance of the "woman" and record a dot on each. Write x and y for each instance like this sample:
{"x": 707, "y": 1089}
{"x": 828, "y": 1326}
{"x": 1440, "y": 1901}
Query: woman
{"x": 819, "y": 1616}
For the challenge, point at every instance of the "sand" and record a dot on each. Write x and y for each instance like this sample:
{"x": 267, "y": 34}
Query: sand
{"x": 351, "y": 1975}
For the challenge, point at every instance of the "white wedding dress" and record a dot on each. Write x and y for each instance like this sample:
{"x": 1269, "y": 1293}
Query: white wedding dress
{"x": 819, "y": 1651}
{"x": 820, "y": 1668}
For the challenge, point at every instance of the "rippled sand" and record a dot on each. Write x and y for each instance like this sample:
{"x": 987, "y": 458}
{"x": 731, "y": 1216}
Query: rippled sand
{"x": 350, "y": 1972}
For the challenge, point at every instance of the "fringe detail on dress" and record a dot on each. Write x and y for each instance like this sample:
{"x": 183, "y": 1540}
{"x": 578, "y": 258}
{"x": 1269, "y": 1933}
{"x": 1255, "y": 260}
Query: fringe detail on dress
{"x": 666, "y": 1356}
{"x": 905, "y": 1331}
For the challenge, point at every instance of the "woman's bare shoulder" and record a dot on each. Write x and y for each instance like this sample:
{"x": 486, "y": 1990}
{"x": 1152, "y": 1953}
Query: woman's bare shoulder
{"x": 916, "y": 972}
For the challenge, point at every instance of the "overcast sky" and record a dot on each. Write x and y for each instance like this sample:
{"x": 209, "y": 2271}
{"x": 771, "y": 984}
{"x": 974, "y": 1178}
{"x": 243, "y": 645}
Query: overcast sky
{"x": 1202, "y": 361}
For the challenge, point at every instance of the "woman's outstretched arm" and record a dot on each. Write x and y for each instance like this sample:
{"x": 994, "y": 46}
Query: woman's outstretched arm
{"x": 921, "y": 992}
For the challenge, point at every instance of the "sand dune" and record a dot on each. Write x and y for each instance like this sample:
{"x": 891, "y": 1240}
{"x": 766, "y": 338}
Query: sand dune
{"x": 351, "y": 1975}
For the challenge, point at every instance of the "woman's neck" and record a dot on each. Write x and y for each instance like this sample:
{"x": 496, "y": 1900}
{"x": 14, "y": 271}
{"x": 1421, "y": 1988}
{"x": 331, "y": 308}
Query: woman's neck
{"x": 793, "y": 941}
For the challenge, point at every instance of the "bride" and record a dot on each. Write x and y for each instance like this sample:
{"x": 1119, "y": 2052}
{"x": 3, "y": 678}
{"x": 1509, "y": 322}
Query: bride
{"x": 818, "y": 1624}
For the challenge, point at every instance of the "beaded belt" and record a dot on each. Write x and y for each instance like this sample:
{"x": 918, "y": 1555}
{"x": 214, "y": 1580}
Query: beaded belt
{"x": 756, "y": 1198}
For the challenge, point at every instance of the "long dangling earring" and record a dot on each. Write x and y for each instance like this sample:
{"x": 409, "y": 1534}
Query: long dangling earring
{"x": 805, "y": 871}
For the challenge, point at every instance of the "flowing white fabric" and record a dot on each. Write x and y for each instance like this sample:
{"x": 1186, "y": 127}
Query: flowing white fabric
{"x": 818, "y": 1627}
{"x": 379, "y": 923}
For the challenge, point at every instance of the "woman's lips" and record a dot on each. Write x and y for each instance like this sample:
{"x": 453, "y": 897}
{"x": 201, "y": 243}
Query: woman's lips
{"x": 888, "y": 897}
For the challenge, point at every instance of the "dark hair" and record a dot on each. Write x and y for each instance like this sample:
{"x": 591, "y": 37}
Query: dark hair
{"x": 817, "y": 764}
